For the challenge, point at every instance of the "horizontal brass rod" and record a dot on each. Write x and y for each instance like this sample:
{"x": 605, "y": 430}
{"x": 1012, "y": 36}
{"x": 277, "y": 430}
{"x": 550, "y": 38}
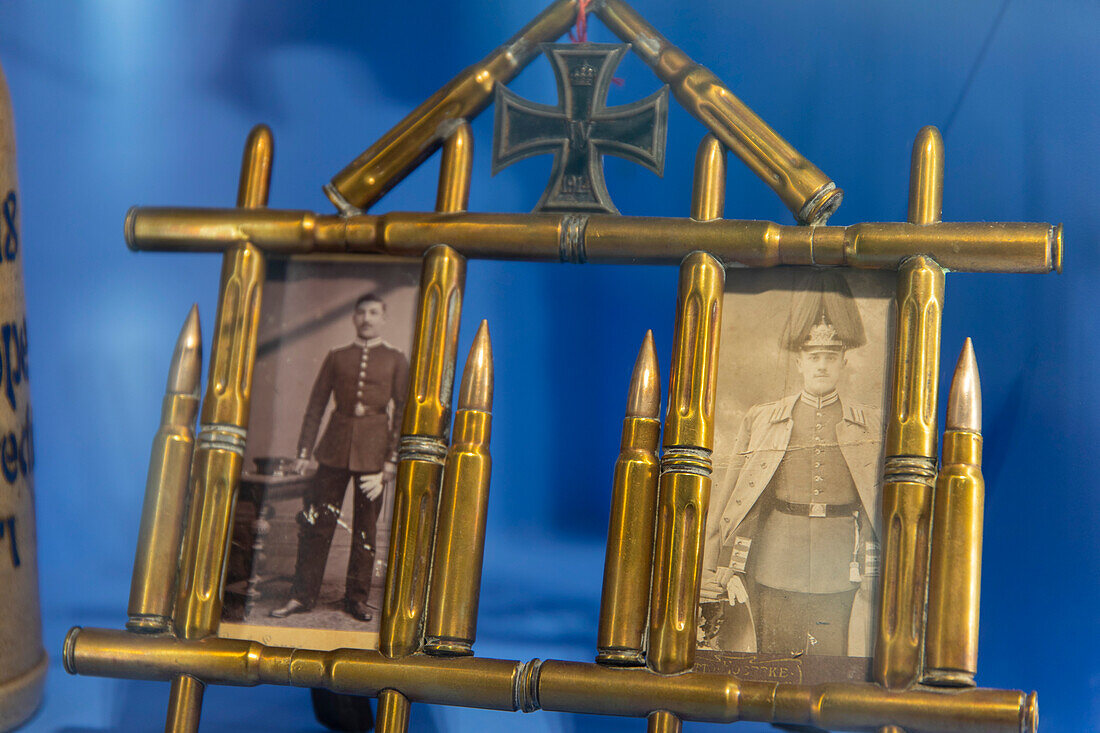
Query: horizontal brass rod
{"x": 962, "y": 247}
{"x": 576, "y": 687}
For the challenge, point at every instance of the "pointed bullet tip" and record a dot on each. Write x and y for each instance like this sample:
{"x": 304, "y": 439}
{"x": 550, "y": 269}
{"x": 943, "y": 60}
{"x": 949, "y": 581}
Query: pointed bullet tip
{"x": 476, "y": 390}
{"x": 644, "y": 398}
{"x": 186, "y": 367}
{"x": 964, "y": 402}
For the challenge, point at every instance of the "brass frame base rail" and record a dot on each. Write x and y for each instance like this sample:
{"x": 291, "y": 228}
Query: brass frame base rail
{"x": 576, "y": 687}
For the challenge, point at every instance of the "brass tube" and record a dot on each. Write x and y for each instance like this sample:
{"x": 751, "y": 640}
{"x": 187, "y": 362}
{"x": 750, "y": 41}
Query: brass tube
{"x": 393, "y": 711}
{"x": 451, "y": 626}
{"x": 216, "y": 462}
{"x": 153, "y": 586}
{"x": 684, "y": 484}
{"x": 385, "y": 163}
{"x": 224, "y": 423}
{"x": 955, "y": 578}
{"x": 628, "y": 563}
{"x": 810, "y": 195}
{"x": 926, "y": 181}
{"x": 910, "y": 464}
{"x": 958, "y": 247}
{"x": 909, "y": 473}
{"x": 184, "y": 704}
{"x": 708, "y": 193}
{"x": 575, "y": 687}
{"x": 423, "y": 445}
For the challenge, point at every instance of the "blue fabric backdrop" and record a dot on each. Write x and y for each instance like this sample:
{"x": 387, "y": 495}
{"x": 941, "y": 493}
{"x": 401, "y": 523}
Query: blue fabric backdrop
{"x": 127, "y": 102}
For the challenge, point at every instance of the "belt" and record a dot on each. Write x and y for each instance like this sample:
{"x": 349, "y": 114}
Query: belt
{"x": 817, "y": 510}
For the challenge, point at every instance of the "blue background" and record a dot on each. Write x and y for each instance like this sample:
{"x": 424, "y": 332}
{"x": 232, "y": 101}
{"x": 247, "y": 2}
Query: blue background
{"x": 124, "y": 102}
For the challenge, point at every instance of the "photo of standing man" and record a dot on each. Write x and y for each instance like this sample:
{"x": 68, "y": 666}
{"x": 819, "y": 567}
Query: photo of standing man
{"x": 792, "y": 525}
{"x": 367, "y": 381}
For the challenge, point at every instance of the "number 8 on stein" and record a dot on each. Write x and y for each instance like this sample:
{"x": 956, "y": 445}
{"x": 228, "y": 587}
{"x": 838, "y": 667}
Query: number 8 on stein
{"x": 22, "y": 658}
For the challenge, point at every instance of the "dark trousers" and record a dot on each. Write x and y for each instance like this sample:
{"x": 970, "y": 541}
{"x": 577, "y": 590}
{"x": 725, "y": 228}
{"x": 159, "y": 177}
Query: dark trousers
{"x": 813, "y": 623}
{"x": 316, "y": 523}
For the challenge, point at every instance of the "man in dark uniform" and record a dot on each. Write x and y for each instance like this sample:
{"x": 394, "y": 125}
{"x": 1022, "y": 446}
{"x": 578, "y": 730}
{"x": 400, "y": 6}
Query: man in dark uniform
{"x": 792, "y": 519}
{"x": 367, "y": 380}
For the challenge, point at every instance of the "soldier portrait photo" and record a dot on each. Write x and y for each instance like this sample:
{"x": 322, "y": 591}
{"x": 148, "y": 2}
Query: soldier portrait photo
{"x": 790, "y": 560}
{"x": 311, "y": 532}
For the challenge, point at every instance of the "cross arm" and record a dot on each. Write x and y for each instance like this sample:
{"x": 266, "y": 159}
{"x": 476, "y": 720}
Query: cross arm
{"x": 964, "y": 247}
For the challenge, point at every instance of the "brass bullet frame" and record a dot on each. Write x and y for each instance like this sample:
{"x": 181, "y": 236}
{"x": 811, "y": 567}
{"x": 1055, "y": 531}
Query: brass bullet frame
{"x": 666, "y": 691}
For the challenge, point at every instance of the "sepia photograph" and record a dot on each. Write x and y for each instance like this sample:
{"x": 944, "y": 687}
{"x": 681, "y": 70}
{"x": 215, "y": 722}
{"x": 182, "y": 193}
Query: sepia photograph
{"x": 311, "y": 529}
{"x": 791, "y": 553}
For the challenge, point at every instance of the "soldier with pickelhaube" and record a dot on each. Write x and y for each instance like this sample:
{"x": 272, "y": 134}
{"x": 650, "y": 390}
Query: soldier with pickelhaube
{"x": 791, "y": 531}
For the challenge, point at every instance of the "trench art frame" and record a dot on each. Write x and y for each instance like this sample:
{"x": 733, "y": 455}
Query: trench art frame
{"x": 647, "y": 639}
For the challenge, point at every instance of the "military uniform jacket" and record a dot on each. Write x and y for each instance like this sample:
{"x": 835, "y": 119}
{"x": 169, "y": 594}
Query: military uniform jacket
{"x": 760, "y": 446}
{"x": 362, "y": 380}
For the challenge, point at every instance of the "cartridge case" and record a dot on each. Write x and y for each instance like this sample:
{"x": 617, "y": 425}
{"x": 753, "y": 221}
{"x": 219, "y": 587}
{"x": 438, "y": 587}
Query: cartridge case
{"x": 23, "y": 661}
{"x": 909, "y": 474}
{"x": 385, "y": 163}
{"x": 451, "y": 625}
{"x": 628, "y": 564}
{"x": 153, "y": 586}
{"x": 684, "y": 484}
{"x": 951, "y": 646}
{"x": 955, "y": 578}
{"x": 810, "y": 195}
{"x": 959, "y": 247}
{"x": 422, "y": 450}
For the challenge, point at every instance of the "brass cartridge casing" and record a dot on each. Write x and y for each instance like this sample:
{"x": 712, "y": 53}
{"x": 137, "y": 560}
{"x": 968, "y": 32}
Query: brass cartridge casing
{"x": 576, "y": 687}
{"x": 810, "y": 195}
{"x": 153, "y": 587}
{"x": 910, "y": 470}
{"x": 451, "y": 626}
{"x": 628, "y": 563}
{"x": 684, "y": 485}
{"x": 596, "y": 238}
{"x": 219, "y": 452}
{"x": 954, "y": 589}
{"x": 422, "y": 450}
{"x": 385, "y": 163}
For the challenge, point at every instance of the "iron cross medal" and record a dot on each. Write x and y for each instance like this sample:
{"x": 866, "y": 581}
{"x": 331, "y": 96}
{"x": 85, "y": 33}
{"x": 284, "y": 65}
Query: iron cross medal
{"x": 581, "y": 128}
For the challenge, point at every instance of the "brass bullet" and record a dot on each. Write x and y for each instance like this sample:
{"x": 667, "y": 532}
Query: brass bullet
{"x": 684, "y": 484}
{"x": 385, "y": 163}
{"x": 153, "y": 587}
{"x": 810, "y": 195}
{"x": 959, "y": 247}
{"x": 708, "y": 193}
{"x": 451, "y": 625}
{"x": 628, "y": 563}
{"x": 951, "y": 639}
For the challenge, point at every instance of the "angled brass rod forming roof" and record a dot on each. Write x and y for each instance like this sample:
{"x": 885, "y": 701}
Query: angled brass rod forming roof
{"x": 810, "y": 195}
